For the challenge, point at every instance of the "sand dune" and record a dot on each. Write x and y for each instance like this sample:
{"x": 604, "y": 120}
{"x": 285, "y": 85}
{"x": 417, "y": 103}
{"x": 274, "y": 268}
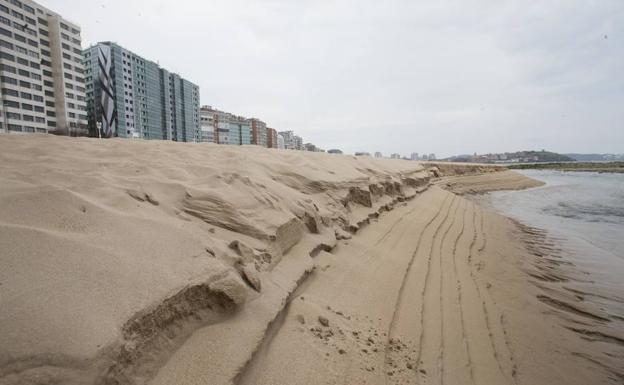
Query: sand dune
{"x": 134, "y": 262}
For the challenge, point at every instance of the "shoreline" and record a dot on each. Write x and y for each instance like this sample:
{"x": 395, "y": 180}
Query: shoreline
{"x": 238, "y": 265}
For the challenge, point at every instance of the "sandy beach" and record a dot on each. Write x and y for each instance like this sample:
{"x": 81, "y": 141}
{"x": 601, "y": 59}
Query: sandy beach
{"x": 154, "y": 262}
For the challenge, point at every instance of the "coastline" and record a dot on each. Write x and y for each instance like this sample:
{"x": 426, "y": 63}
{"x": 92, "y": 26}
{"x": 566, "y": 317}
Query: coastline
{"x": 245, "y": 265}
{"x": 600, "y": 167}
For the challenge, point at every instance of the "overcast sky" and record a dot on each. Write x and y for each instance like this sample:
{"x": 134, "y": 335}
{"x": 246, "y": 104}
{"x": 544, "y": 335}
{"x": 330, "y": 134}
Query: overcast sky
{"x": 448, "y": 77}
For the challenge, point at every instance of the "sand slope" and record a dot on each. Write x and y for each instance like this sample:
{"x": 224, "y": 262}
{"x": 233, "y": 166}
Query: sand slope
{"x": 130, "y": 262}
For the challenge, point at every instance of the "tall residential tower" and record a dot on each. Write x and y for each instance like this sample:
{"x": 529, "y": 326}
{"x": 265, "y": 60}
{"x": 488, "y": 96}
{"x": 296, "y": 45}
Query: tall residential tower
{"x": 42, "y": 86}
{"x": 135, "y": 98}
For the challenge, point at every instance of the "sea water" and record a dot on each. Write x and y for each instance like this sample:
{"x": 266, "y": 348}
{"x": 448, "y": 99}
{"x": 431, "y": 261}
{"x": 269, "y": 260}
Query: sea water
{"x": 584, "y": 212}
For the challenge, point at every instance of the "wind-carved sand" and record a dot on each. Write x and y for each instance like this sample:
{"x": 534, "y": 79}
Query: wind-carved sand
{"x": 144, "y": 262}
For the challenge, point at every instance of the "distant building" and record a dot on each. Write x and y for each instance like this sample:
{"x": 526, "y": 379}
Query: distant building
{"x": 310, "y": 147}
{"x": 216, "y": 121}
{"x": 298, "y": 143}
{"x": 135, "y": 98}
{"x": 378, "y": 155}
{"x": 280, "y": 142}
{"x": 414, "y": 156}
{"x": 289, "y": 139}
{"x": 226, "y": 128}
{"x": 432, "y": 156}
{"x": 362, "y": 153}
{"x": 395, "y": 156}
{"x": 240, "y": 131}
{"x": 334, "y": 151}
{"x": 258, "y": 132}
{"x": 271, "y": 137}
{"x": 42, "y": 84}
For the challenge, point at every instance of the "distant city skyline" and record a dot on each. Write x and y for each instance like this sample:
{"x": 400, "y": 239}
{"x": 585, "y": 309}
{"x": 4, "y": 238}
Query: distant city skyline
{"x": 396, "y": 76}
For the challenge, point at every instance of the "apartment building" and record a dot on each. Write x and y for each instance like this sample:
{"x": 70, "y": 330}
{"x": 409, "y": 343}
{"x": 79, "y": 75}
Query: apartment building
{"x": 226, "y": 127}
{"x": 298, "y": 143}
{"x": 42, "y": 86}
{"x": 271, "y": 137}
{"x": 258, "y": 132}
{"x": 240, "y": 130}
{"x": 289, "y": 139}
{"x": 215, "y": 125}
{"x": 133, "y": 97}
{"x": 281, "y": 143}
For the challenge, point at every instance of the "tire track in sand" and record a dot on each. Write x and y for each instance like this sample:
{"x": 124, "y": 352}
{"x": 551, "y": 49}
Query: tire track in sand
{"x": 459, "y": 296}
{"x": 441, "y": 294}
{"x": 400, "y": 297}
{"x": 423, "y": 308}
{"x": 486, "y": 313}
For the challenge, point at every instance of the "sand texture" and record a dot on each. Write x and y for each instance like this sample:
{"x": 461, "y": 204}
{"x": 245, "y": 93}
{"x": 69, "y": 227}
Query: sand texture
{"x": 148, "y": 262}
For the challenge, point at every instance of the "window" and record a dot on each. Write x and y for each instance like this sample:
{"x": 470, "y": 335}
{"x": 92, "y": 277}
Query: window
{"x": 14, "y": 127}
{"x": 22, "y": 61}
{"x": 49, "y": 104}
{"x": 13, "y": 115}
{"x": 67, "y": 76}
{"x": 65, "y": 46}
{"x": 39, "y": 109}
{"x": 51, "y": 123}
{"x": 33, "y": 43}
{"x": 43, "y": 22}
{"x": 48, "y": 83}
{"x": 34, "y": 65}
{"x": 21, "y": 50}
{"x": 26, "y": 95}
{"x": 51, "y": 113}
{"x": 5, "y": 32}
{"x": 28, "y": 118}
{"x": 17, "y": 15}
{"x": 4, "y": 8}
{"x": 4, "y": 20}
{"x": 38, "y": 98}
{"x": 8, "y": 80}
{"x": 10, "y": 92}
{"x": 35, "y": 76}
{"x": 39, "y": 119}
{"x": 28, "y": 107}
{"x": 19, "y": 38}
{"x": 24, "y": 73}
{"x": 10, "y": 103}
{"x": 6, "y": 44}
{"x": 24, "y": 84}
{"x": 36, "y": 87}
{"x": 8, "y": 68}
{"x": 43, "y": 32}
{"x": 4, "y": 55}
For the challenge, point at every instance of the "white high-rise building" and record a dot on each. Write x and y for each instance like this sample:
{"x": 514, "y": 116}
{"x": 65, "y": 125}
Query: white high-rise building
{"x": 42, "y": 87}
{"x": 280, "y": 142}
